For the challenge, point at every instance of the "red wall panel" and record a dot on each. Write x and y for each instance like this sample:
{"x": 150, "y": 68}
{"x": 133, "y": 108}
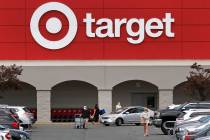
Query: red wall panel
{"x": 196, "y": 50}
{"x": 191, "y": 27}
{"x": 9, "y": 17}
{"x": 76, "y": 51}
{"x": 14, "y": 51}
{"x": 196, "y": 33}
{"x": 11, "y": 34}
{"x": 72, "y": 3}
{"x": 13, "y": 4}
{"x": 196, "y": 16}
{"x": 143, "y": 4}
{"x": 196, "y": 4}
{"x": 157, "y": 51}
{"x": 143, "y": 13}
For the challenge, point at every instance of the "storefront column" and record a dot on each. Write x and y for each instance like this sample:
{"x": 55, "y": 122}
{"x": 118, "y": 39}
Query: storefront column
{"x": 105, "y": 100}
{"x": 165, "y": 98}
{"x": 43, "y": 106}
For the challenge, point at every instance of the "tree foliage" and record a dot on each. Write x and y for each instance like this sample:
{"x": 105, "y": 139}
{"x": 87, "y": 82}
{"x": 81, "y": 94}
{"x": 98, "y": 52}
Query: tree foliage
{"x": 9, "y": 77}
{"x": 198, "y": 82}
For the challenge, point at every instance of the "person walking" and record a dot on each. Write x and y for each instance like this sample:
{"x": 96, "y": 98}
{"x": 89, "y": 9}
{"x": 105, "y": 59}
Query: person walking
{"x": 145, "y": 118}
{"x": 85, "y": 116}
{"x": 96, "y": 113}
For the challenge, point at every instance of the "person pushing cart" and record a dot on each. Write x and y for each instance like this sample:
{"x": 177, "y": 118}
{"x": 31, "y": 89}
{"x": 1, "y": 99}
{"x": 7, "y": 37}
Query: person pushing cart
{"x": 81, "y": 120}
{"x": 86, "y": 116}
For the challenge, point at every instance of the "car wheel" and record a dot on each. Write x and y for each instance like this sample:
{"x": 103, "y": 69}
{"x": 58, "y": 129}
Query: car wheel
{"x": 137, "y": 124}
{"x": 106, "y": 124}
{"x": 164, "y": 130}
{"x": 119, "y": 122}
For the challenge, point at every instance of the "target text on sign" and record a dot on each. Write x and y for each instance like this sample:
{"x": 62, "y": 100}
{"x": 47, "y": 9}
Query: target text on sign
{"x": 105, "y": 27}
{"x": 153, "y": 27}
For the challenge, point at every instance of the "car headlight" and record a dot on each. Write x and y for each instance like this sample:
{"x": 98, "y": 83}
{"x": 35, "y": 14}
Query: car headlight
{"x": 181, "y": 130}
{"x": 113, "y": 117}
{"x": 109, "y": 118}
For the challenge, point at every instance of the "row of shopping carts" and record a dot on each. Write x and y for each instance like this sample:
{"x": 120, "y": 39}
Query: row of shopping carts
{"x": 65, "y": 114}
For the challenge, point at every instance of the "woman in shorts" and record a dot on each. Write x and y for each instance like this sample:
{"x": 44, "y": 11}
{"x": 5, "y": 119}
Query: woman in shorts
{"x": 145, "y": 118}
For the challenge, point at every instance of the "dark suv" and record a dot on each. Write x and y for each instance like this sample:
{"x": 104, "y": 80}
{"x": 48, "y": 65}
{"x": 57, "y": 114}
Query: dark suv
{"x": 167, "y": 117}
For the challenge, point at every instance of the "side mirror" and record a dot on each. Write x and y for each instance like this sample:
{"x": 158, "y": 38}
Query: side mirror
{"x": 127, "y": 113}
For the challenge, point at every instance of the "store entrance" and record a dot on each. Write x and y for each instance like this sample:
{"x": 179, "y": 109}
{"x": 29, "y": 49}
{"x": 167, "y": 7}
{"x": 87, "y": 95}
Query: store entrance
{"x": 135, "y": 93}
{"x": 144, "y": 99}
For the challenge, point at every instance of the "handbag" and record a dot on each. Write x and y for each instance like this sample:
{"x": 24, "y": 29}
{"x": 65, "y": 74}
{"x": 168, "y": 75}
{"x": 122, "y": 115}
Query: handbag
{"x": 102, "y": 112}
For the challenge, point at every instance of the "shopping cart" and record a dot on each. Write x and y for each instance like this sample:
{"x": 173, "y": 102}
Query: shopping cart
{"x": 79, "y": 122}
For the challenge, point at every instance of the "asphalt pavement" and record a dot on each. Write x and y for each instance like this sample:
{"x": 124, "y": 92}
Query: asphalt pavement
{"x": 94, "y": 132}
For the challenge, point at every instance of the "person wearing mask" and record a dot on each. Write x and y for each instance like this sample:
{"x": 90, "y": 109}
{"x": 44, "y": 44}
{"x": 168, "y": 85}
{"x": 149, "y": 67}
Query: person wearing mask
{"x": 96, "y": 113}
{"x": 145, "y": 118}
{"x": 85, "y": 116}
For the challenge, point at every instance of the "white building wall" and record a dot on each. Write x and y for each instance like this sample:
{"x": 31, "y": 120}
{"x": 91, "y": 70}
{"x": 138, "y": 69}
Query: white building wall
{"x": 44, "y": 75}
{"x": 165, "y": 77}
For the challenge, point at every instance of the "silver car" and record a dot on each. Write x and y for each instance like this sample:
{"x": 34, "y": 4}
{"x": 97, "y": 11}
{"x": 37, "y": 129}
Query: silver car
{"x": 128, "y": 115}
{"x": 204, "y": 138}
{"x": 194, "y": 130}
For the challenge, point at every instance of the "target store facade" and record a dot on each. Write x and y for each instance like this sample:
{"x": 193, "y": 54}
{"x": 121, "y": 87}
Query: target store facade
{"x": 77, "y": 53}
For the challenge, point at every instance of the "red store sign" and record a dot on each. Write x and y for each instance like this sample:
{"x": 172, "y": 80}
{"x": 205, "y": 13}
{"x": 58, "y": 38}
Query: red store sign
{"x": 104, "y": 29}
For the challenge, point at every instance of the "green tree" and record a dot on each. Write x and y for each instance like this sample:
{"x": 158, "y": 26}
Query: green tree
{"x": 198, "y": 82}
{"x": 9, "y": 77}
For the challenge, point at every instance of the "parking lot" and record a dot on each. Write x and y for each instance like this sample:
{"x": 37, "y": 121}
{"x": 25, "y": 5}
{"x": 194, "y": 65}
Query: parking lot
{"x": 96, "y": 132}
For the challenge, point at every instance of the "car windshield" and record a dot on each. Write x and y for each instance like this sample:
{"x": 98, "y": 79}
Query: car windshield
{"x": 120, "y": 111}
{"x": 6, "y": 118}
{"x": 180, "y": 107}
{"x": 205, "y": 119}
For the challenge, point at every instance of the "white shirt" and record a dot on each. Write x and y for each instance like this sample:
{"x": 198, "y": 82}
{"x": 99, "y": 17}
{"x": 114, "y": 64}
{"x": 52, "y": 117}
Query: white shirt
{"x": 145, "y": 115}
{"x": 118, "y": 107}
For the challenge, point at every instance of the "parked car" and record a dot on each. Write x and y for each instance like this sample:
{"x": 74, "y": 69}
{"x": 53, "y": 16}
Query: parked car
{"x": 194, "y": 130}
{"x": 8, "y": 121}
{"x": 204, "y": 138}
{"x": 169, "y": 115}
{"x": 4, "y": 133}
{"x": 196, "y": 133}
{"x": 19, "y": 135}
{"x": 10, "y": 111}
{"x": 24, "y": 114}
{"x": 4, "y": 111}
{"x": 192, "y": 113}
{"x": 190, "y": 121}
{"x": 13, "y": 134}
{"x": 128, "y": 115}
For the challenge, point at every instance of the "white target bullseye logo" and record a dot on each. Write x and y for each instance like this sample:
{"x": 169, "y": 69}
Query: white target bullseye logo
{"x": 53, "y": 25}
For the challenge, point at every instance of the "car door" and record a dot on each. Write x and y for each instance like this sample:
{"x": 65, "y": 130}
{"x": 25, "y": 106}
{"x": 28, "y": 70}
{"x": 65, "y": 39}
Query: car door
{"x": 129, "y": 115}
{"x": 138, "y": 113}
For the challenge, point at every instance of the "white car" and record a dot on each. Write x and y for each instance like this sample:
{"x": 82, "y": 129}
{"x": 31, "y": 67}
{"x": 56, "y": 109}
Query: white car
{"x": 192, "y": 129}
{"x": 128, "y": 115}
{"x": 192, "y": 115}
{"x": 204, "y": 138}
{"x": 5, "y": 134}
{"x": 24, "y": 114}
